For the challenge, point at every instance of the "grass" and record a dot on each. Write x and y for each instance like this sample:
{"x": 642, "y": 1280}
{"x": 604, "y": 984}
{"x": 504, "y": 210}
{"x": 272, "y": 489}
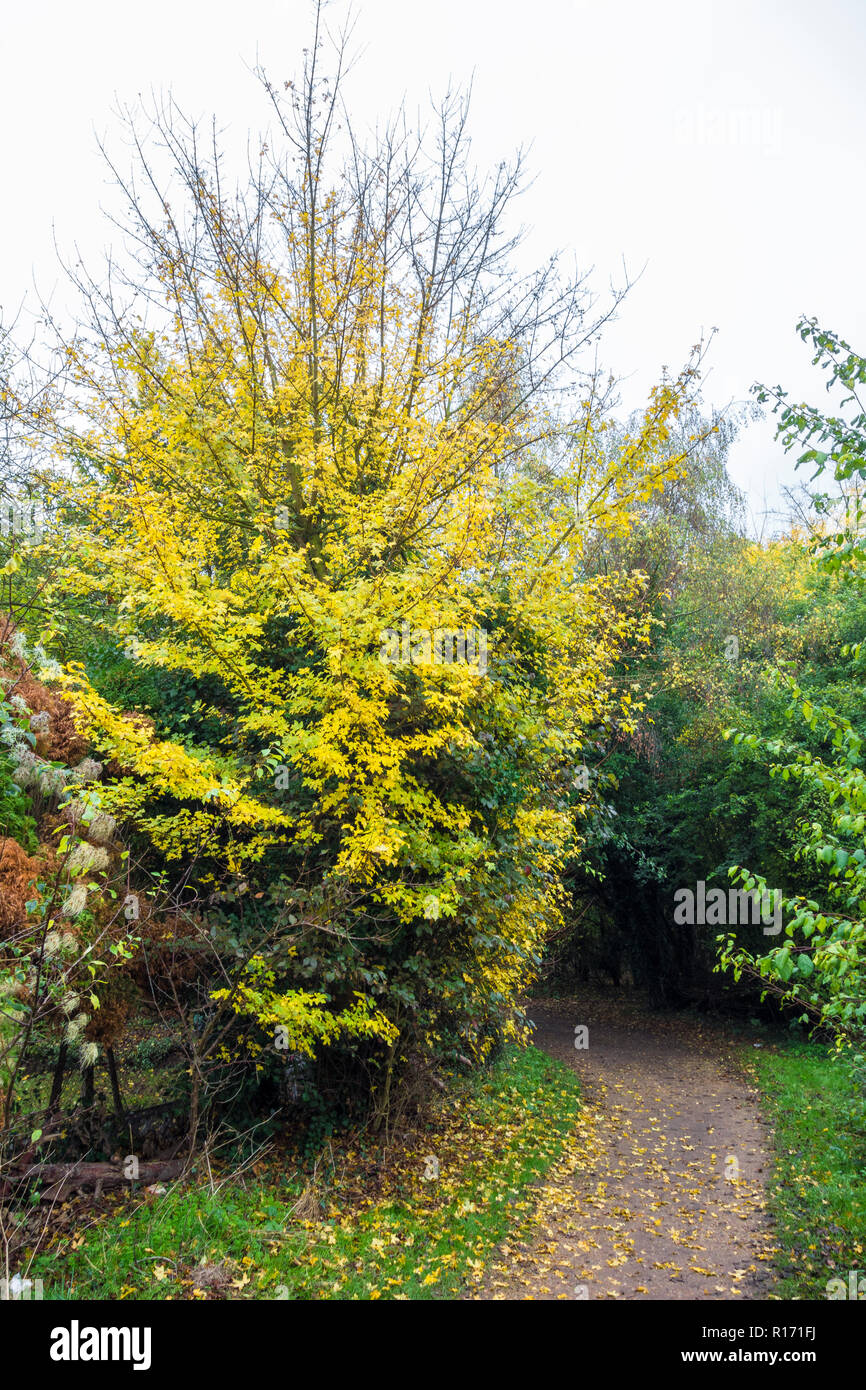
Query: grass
{"x": 149, "y": 1070}
{"x": 818, "y": 1191}
{"x": 365, "y": 1231}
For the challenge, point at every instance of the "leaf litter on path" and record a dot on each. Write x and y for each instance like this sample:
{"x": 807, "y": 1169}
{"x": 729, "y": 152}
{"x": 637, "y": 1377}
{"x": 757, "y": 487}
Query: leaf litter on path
{"x": 661, "y": 1194}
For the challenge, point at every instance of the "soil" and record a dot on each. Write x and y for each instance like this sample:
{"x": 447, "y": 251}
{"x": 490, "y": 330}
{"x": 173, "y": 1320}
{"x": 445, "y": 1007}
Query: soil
{"x": 661, "y": 1194}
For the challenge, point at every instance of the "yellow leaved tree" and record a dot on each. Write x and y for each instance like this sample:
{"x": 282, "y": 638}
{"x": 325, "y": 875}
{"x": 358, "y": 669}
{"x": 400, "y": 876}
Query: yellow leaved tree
{"x": 326, "y": 457}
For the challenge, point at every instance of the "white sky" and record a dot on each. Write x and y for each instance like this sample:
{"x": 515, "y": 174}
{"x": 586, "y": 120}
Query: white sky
{"x": 717, "y": 143}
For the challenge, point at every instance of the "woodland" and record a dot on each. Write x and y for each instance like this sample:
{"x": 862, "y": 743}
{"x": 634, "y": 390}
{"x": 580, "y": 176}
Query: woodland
{"x": 285, "y": 864}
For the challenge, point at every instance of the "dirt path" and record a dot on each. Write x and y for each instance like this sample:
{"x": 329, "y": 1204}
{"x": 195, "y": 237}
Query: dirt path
{"x": 644, "y": 1205}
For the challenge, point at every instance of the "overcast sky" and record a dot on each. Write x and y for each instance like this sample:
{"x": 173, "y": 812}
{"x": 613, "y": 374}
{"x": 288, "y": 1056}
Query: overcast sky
{"x": 715, "y": 145}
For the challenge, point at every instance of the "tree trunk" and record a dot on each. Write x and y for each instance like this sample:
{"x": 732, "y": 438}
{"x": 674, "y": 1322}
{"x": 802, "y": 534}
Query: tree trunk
{"x": 57, "y": 1079}
{"x": 115, "y": 1084}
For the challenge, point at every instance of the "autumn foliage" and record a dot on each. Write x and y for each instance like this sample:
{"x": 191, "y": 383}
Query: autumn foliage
{"x": 313, "y": 409}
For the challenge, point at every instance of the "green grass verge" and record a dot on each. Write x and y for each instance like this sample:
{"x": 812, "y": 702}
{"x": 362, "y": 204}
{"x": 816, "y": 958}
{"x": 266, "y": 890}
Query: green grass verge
{"x": 378, "y": 1233}
{"x": 818, "y": 1192}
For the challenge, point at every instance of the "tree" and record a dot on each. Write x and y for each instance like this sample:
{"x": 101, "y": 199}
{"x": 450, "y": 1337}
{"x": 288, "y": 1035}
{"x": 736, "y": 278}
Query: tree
{"x": 317, "y": 431}
{"x": 818, "y": 965}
